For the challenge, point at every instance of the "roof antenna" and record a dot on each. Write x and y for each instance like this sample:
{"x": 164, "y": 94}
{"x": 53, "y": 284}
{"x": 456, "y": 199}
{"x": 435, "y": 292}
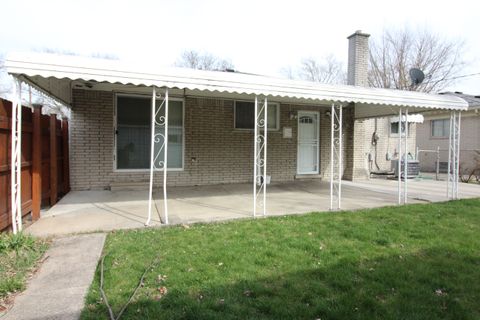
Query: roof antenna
{"x": 417, "y": 77}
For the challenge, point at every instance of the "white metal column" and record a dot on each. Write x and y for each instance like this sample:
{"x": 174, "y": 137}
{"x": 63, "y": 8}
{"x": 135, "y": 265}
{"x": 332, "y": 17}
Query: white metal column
{"x": 399, "y": 164}
{"x": 336, "y": 129}
{"x": 159, "y": 143}
{"x": 16, "y": 158}
{"x": 260, "y": 157}
{"x": 458, "y": 132}
{"x": 453, "y": 156}
{"x": 405, "y": 160}
{"x": 402, "y": 156}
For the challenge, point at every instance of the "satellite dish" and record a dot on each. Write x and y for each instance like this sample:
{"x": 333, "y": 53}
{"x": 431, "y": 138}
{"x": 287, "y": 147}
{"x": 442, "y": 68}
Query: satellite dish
{"x": 417, "y": 76}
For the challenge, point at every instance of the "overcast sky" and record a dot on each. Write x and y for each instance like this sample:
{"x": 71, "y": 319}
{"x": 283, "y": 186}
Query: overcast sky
{"x": 257, "y": 36}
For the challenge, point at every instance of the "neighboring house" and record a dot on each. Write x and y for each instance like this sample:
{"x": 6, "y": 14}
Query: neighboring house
{"x": 211, "y": 135}
{"x": 434, "y": 133}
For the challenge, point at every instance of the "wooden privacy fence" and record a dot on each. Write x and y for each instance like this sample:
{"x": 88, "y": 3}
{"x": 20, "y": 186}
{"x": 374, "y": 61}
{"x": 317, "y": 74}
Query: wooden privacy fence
{"x": 45, "y": 169}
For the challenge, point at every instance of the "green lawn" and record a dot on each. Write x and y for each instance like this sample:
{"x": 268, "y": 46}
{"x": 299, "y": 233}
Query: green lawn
{"x": 410, "y": 262}
{"x": 18, "y": 256}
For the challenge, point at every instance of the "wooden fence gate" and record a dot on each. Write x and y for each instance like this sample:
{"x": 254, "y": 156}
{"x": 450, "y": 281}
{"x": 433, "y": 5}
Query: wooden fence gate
{"x": 45, "y": 170}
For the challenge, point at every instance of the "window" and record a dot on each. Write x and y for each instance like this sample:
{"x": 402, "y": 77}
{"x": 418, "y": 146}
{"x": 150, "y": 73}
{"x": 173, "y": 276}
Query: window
{"x": 133, "y": 133}
{"x": 394, "y": 128}
{"x": 440, "y": 128}
{"x": 245, "y": 115}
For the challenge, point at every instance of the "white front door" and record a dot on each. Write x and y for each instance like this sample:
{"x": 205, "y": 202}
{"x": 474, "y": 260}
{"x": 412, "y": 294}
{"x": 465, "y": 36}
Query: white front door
{"x": 308, "y": 142}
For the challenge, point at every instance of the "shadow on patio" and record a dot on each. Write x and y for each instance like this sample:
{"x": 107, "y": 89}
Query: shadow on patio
{"x": 88, "y": 211}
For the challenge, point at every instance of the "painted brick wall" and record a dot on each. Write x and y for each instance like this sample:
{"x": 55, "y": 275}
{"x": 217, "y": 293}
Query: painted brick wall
{"x": 387, "y": 143}
{"x": 222, "y": 154}
{"x": 359, "y": 146}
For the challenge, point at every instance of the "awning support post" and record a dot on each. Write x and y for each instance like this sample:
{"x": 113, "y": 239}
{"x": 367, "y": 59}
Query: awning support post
{"x": 405, "y": 160}
{"x": 458, "y": 132}
{"x": 158, "y": 139}
{"x": 260, "y": 157}
{"x": 453, "y": 156}
{"x": 399, "y": 164}
{"x": 402, "y": 170}
{"x": 16, "y": 158}
{"x": 336, "y": 154}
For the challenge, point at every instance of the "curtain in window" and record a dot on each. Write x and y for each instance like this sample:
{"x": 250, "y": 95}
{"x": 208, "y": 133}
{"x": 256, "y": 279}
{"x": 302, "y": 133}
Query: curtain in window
{"x": 133, "y": 133}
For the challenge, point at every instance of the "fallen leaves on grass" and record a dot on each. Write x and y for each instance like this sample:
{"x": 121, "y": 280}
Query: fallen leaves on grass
{"x": 161, "y": 292}
{"x": 247, "y": 293}
{"x": 440, "y": 293}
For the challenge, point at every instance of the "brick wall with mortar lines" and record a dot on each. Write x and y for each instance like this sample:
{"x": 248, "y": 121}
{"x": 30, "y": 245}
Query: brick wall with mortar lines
{"x": 222, "y": 154}
{"x": 353, "y": 142}
{"x": 91, "y": 134}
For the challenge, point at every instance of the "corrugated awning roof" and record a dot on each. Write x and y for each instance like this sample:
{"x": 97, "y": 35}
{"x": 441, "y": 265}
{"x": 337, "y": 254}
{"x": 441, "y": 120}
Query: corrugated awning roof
{"x": 48, "y": 66}
{"x": 413, "y": 118}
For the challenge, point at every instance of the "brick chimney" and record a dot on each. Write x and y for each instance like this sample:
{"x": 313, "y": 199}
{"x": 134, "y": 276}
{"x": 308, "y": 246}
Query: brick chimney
{"x": 358, "y": 56}
{"x": 356, "y": 166}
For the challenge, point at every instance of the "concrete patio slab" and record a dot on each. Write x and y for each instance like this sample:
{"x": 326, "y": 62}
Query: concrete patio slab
{"x": 59, "y": 288}
{"x": 87, "y": 211}
{"x": 418, "y": 189}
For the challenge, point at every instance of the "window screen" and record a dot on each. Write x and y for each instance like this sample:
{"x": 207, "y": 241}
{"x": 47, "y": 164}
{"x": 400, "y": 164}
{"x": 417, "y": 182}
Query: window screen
{"x": 134, "y": 133}
{"x": 245, "y": 115}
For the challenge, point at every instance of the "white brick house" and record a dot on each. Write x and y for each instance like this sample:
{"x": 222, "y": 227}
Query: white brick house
{"x": 211, "y": 138}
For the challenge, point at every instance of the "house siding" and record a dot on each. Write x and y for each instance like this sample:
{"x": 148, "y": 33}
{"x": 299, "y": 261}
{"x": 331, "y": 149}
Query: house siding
{"x": 215, "y": 152}
{"x": 469, "y": 143}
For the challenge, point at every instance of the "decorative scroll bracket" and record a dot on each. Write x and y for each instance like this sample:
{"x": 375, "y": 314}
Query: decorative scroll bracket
{"x": 16, "y": 157}
{"x": 402, "y": 156}
{"x": 336, "y": 157}
{"x": 453, "y": 155}
{"x": 260, "y": 157}
{"x": 159, "y": 144}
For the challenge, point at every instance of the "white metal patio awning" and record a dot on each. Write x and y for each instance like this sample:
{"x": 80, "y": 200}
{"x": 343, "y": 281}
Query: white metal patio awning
{"x": 54, "y": 74}
{"x": 412, "y": 118}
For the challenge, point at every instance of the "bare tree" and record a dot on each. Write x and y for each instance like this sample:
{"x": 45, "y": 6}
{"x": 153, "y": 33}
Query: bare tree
{"x": 5, "y": 83}
{"x": 397, "y": 51}
{"x": 327, "y": 70}
{"x": 202, "y": 61}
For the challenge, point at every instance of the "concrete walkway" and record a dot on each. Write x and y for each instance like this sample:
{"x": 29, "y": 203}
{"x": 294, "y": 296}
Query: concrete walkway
{"x": 59, "y": 288}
